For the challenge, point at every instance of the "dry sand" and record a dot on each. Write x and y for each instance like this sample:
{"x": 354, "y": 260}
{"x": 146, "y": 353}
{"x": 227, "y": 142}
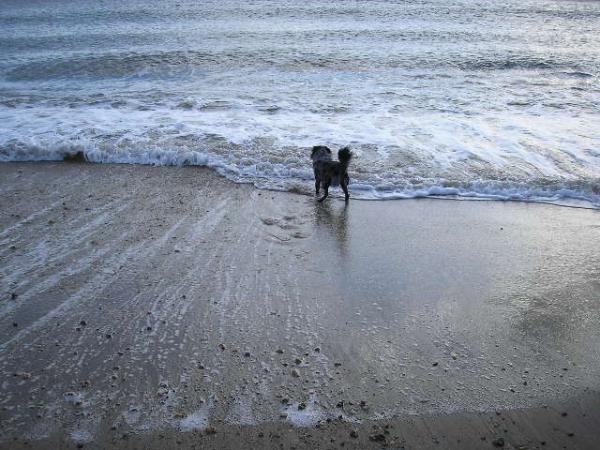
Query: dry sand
{"x": 157, "y": 308}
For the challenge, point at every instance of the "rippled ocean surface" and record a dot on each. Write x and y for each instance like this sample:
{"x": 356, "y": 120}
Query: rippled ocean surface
{"x": 436, "y": 97}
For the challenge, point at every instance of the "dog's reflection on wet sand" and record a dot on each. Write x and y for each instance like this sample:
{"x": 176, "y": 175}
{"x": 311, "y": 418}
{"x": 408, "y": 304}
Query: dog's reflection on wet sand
{"x": 332, "y": 218}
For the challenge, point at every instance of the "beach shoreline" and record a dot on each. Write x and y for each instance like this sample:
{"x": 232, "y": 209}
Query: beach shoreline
{"x": 146, "y": 307}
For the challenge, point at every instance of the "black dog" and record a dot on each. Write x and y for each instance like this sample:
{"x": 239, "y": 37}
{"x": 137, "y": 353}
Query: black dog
{"x": 328, "y": 172}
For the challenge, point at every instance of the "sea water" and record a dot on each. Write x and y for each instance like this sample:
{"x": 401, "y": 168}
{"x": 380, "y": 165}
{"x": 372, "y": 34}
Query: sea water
{"x": 462, "y": 98}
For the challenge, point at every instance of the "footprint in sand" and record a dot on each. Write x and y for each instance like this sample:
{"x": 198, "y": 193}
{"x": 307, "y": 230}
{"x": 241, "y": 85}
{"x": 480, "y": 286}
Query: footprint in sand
{"x": 286, "y": 223}
{"x": 268, "y": 221}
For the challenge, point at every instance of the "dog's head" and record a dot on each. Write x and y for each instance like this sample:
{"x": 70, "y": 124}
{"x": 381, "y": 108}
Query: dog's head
{"x": 320, "y": 153}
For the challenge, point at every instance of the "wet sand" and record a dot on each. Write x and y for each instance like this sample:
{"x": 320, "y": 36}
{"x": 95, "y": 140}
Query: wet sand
{"x": 147, "y": 307}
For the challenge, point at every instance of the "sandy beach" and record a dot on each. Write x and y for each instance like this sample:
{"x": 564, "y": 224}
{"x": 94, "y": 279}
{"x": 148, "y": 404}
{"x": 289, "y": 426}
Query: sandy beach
{"x": 166, "y": 307}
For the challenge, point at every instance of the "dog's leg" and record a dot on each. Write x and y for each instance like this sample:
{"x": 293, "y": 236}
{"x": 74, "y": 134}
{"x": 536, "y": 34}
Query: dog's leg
{"x": 317, "y": 185}
{"x": 326, "y": 188}
{"x": 344, "y": 185}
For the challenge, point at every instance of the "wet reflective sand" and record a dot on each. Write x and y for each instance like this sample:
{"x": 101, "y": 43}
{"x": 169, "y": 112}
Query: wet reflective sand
{"x": 146, "y": 302}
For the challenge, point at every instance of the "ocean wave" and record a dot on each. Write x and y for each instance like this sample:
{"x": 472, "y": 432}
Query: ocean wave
{"x": 113, "y": 65}
{"x": 397, "y": 154}
{"x": 278, "y": 175}
{"x": 577, "y": 74}
{"x": 177, "y": 63}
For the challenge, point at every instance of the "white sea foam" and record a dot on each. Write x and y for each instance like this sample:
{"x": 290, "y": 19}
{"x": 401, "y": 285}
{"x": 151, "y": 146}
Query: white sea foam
{"x": 195, "y": 421}
{"x": 307, "y": 415}
{"x": 81, "y": 436}
{"x": 550, "y": 160}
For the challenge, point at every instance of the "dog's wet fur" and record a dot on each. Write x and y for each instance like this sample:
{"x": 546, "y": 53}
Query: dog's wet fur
{"x": 329, "y": 172}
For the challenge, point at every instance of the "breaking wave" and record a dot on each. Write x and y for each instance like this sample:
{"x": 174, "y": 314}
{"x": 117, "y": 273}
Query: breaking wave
{"x": 294, "y": 172}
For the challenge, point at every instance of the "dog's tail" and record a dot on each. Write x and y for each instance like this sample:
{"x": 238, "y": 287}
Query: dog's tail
{"x": 344, "y": 156}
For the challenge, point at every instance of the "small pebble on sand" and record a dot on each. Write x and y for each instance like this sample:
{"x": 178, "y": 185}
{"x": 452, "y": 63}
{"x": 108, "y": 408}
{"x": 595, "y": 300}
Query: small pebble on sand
{"x": 498, "y": 442}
